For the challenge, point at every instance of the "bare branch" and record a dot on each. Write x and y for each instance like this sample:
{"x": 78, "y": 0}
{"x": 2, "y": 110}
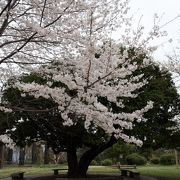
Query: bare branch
{"x": 7, "y": 6}
{"x": 43, "y": 12}
{"x": 60, "y": 15}
{"x": 17, "y": 50}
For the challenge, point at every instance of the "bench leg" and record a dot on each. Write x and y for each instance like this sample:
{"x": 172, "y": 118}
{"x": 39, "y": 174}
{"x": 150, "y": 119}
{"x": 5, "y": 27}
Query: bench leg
{"x": 17, "y": 178}
{"x": 123, "y": 172}
{"x": 134, "y": 174}
{"x": 55, "y": 172}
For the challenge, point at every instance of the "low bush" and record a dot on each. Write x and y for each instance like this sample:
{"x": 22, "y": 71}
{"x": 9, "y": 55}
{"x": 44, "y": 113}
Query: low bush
{"x": 136, "y": 159}
{"x": 155, "y": 160}
{"x": 167, "y": 159}
{"x": 106, "y": 162}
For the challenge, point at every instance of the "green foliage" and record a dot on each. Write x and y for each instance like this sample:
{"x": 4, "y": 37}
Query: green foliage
{"x": 94, "y": 163}
{"x": 136, "y": 159}
{"x": 161, "y": 90}
{"x": 119, "y": 151}
{"x": 167, "y": 159}
{"x": 155, "y": 160}
{"x": 106, "y": 162}
{"x": 33, "y": 77}
{"x": 146, "y": 152}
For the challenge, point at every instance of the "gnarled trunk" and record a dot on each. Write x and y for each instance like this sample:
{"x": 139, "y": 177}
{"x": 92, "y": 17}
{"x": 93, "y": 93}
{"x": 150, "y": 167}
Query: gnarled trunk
{"x": 89, "y": 155}
{"x": 73, "y": 167}
{"x": 79, "y": 169}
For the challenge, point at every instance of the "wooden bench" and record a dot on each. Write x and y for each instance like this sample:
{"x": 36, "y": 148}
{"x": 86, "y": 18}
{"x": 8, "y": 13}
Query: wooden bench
{"x": 56, "y": 170}
{"x": 129, "y": 170}
{"x": 17, "y": 175}
{"x": 120, "y": 166}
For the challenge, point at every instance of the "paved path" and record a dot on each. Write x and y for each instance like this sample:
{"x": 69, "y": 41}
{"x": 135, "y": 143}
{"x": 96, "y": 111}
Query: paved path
{"x": 141, "y": 178}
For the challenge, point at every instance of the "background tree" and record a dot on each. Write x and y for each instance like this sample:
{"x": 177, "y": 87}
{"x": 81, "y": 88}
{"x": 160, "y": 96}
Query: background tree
{"x": 46, "y": 154}
{"x": 162, "y": 91}
{"x": 21, "y": 156}
{"x": 9, "y": 156}
{"x": 34, "y": 153}
{"x": 119, "y": 151}
{"x": 1, "y": 154}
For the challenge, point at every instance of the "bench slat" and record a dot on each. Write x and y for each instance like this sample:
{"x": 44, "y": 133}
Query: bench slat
{"x": 56, "y": 171}
{"x": 127, "y": 166}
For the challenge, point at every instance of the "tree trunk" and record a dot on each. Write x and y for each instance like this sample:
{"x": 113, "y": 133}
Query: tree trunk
{"x": 34, "y": 153}
{"x": 176, "y": 157}
{"x": 76, "y": 169}
{"x": 39, "y": 153}
{"x": 46, "y": 154}
{"x": 9, "y": 156}
{"x": 1, "y": 154}
{"x": 89, "y": 155}
{"x": 73, "y": 168}
{"x": 21, "y": 156}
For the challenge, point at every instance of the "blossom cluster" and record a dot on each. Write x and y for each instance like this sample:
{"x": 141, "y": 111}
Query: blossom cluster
{"x": 6, "y": 110}
{"x": 7, "y": 141}
{"x": 111, "y": 75}
{"x": 38, "y": 32}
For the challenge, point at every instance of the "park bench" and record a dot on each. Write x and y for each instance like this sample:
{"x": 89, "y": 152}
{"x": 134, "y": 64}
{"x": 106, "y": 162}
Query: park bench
{"x": 17, "y": 175}
{"x": 129, "y": 170}
{"x": 122, "y": 166}
{"x": 56, "y": 170}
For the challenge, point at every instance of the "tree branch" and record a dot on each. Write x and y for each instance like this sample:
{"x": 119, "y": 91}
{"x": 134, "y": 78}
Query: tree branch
{"x": 42, "y": 14}
{"x": 17, "y": 50}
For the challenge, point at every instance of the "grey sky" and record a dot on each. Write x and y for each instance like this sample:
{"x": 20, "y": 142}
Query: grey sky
{"x": 168, "y": 9}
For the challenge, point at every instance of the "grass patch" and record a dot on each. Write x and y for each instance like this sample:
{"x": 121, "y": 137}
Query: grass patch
{"x": 160, "y": 172}
{"x": 37, "y": 169}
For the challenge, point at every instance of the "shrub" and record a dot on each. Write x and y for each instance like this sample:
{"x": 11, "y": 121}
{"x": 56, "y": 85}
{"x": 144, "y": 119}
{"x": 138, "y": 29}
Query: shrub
{"x": 167, "y": 159}
{"x": 155, "y": 160}
{"x": 94, "y": 163}
{"x": 107, "y": 162}
{"x": 136, "y": 159}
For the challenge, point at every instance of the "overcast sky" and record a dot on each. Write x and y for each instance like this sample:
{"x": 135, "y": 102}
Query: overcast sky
{"x": 169, "y": 9}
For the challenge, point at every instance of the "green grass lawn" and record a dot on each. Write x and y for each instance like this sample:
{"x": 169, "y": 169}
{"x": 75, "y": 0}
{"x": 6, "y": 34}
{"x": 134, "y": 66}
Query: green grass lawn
{"x": 41, "y": 169}
{"x": 161, "y": 172}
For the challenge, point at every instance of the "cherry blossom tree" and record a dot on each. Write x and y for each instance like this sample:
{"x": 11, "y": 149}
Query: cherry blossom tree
{"x": 87, "y": 102}
{"x": 83, "y": 68}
